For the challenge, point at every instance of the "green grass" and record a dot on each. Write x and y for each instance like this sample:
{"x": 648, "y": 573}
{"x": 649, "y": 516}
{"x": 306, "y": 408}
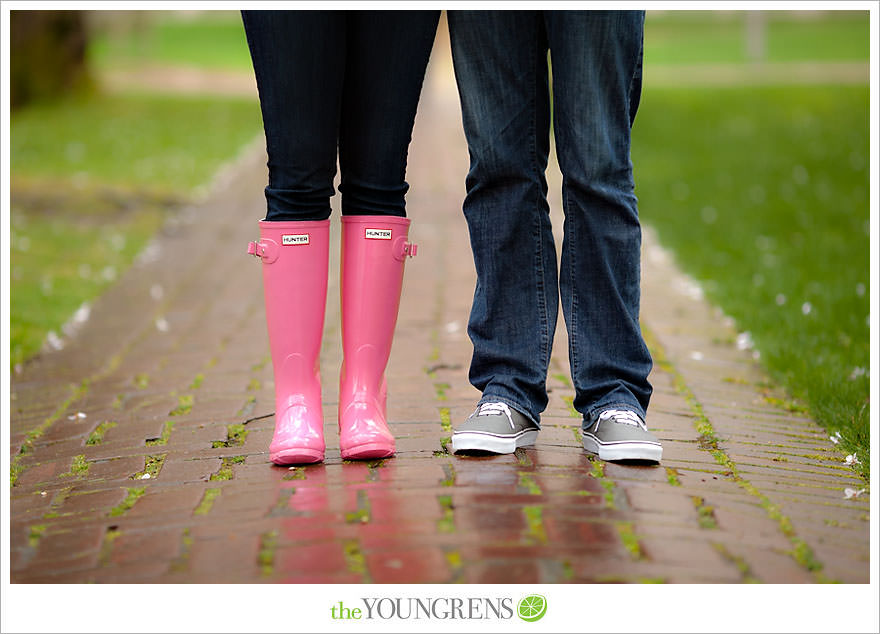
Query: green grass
{"x": 56, "y": 264}
{"x": 91, "y": 180}
{"x": 706, "y": 37}
{"x": 762, "y": 193}
{"x": 142, "y": 142}
{"x": 214, "y": 40}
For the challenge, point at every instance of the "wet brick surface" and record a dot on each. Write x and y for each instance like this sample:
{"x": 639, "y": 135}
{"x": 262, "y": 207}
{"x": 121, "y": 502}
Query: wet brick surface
{"x": 765, "y": 503}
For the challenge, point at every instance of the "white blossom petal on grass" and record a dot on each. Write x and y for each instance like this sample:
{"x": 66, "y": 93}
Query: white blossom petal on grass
{"x": 781, "y": 299}
{"x": 43, "y": 494}
{"x": 835, "y": 438}
{"x": 146, "y": 476}
{"x": 162, "y": 325}
{"x": 856, "y": 373}
{"x": 690, "y": 288}
{"x": 852, "y": 459}
{"x": 806, "y": 308}
{"x": 744, "y": 341}
{"x": 852, "y": 493}
{"x": 108, "y": 274}
{"x": 54, "y": 340}
{"x": 80, "y": 317}
{"x": 77, "y": 416}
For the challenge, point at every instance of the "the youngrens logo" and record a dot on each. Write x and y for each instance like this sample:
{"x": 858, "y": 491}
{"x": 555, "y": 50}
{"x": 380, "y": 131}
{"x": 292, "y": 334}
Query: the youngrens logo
{"x": 295, "y": 238}
{"x": 530, "y": 608}
{"x": 378, "y": 234}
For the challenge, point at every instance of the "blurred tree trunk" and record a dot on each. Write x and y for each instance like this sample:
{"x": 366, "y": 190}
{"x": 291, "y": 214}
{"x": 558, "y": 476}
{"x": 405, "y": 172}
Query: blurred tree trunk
{"x": 47, "y": 55}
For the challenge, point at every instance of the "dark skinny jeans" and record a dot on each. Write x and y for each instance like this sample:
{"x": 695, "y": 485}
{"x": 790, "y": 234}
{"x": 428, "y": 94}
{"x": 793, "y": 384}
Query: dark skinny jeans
{"x": 346, "y": 79}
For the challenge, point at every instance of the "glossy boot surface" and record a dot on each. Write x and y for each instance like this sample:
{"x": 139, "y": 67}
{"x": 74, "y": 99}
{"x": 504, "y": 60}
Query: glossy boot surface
{"x": 373, "y": 252}
{"x": 295, "y": 261}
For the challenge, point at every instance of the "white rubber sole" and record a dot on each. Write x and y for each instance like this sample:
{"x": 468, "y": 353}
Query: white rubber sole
{"x": 484, "y": 441}
{"x": 623, "y": 450}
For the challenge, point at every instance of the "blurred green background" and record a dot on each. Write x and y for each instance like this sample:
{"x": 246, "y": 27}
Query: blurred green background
{"x": 750, "y": 151}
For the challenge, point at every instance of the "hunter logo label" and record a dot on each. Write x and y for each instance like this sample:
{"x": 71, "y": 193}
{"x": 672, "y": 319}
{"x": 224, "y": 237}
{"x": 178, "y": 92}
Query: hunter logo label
{"x": 378, "y": 234}
{"x": 295, "y": 239}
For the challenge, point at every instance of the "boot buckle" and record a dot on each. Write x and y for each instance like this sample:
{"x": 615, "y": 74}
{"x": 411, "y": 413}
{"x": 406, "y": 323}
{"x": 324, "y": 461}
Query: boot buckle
{"x": 265, "y": 249}
{"x": 401, "y": 249}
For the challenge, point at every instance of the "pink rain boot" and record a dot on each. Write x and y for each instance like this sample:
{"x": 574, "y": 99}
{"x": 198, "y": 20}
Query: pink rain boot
{"x": 295, "y": 258}
{"x": 373, "y": 252}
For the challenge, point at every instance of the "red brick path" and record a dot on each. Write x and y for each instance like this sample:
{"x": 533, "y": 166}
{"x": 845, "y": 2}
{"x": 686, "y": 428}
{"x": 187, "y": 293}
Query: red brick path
{"x": 175, "y": 357}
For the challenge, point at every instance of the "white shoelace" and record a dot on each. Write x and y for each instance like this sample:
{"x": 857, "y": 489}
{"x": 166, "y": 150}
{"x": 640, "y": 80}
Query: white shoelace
{"x": 623, "y": 416}
{"x": 493, "y": 409}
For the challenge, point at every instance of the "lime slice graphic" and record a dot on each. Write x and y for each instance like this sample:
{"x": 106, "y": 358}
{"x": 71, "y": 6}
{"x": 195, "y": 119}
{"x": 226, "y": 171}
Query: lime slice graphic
{"x": 532, "y": 607}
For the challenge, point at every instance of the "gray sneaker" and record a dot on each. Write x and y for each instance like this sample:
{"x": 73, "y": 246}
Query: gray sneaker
{"x": 621, "y": 435}
{"x": 494, "y": 427}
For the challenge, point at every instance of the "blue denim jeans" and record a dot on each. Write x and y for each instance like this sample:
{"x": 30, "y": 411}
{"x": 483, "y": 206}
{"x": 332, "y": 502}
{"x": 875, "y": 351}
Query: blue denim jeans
{"x": 500, "y": 60}
{"x": 346, "y": 78}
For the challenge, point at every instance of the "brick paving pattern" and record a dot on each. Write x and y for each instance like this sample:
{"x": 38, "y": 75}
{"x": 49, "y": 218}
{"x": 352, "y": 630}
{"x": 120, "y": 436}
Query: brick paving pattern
{"x": 173, "y": 375}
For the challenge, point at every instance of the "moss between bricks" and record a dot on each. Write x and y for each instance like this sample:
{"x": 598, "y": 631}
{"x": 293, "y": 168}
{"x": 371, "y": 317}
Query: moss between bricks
{"x": 569, "y": 402}
{"x": 453, "y": 558}
{"x": 598, "y": 472}
{"x": 739, "y": 562}
{"x": 295, "y": 473}
{"x": 362, "y": 514}
{"x": 709, "y": 441}
{"x": 15, "y": 467}
{"x": 97, "y": 436}
{"x": 225, "y": 471}
{"x": 629, "y": 539}
{"x": 184, "y": 405}
{"x": 672, "y": 477}
{"x": 248, "y": 407}
{"x": 236, "y": 434}
{"x": 35, "y": 534}
{"x": 527, "y": 482}
{"x": 354, "y": 558}
{"x": 167, "y": 428}
{"x": 152, "y": 466}
{"x": 446, "y": 523}
{"x": 79, "y": 467}
{"x": 113, "y": 533}
{"x": 197, "y": 381}
{"x": 523, "y": 458}
{"x": 266, "y": 556}
{"x": 449, "y": 472}
{"x": 207, "y": 502}
{"x": 445, "y": 419}
{"x": 705, "y": 513}
{"x": 181, "y": 562}
{"x": 56, "y": 503}
{"x": 133, "y": 495}
{"x": 373, "y": 467}
{"x": 535, "y": 523}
